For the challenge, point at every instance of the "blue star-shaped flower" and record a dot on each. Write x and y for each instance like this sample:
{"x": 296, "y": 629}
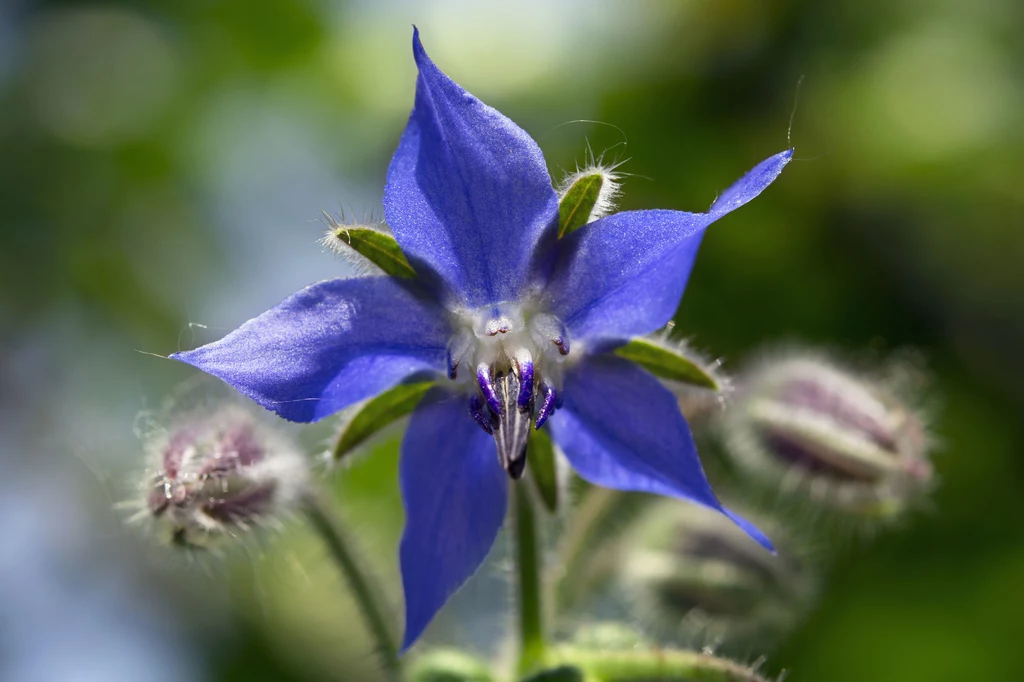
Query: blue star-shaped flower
{"x": 518, "y": 323}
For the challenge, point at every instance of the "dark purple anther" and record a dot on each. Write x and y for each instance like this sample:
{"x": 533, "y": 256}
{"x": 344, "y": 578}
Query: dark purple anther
{"x": 476, "y": 409}
{"x": 525, "y": 385}
{"x": 562, "y": 343}
{"x": 483, "y": 377}
{"x": 547, "y": 406}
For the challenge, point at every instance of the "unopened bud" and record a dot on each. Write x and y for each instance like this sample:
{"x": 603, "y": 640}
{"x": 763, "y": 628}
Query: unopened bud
{"x": 220, "y": 472}
{"x": 694, "y": 574}
{"x": 802, "y": 424}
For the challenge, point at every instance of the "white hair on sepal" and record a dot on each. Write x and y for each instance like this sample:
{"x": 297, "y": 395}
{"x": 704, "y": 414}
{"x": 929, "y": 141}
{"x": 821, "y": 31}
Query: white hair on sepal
{"x": 336, "y": 238}
{"x": 698, "y": 403}
{"x": 611, "y": 185}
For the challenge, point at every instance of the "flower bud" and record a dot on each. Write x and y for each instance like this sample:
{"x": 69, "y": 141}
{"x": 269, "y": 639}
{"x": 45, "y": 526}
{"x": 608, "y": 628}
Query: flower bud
{"x": 219, "y": 472}
{"x": 694, "y": 574}
{"x": 804, "y": 425}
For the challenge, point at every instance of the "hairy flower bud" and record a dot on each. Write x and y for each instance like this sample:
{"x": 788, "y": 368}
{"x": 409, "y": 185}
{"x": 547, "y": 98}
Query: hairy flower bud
{"x": 217, "y": 473}
{"x": 693, "y": 574}
{"x": 804, "y": 425}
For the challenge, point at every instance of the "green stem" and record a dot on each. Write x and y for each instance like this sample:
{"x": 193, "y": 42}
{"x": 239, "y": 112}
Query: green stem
{"x": 531, "y": 615}
{"x": 366, "y": 593}
{"x": 660, "y": 665}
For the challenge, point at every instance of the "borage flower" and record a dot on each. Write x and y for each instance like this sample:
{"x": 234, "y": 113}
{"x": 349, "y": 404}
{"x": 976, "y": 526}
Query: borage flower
{"x": 517, "y": 323}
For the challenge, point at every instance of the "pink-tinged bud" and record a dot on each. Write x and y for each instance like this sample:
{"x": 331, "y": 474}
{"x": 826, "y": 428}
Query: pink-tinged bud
{"x": 691, "y": 573}
{"x": 219, "y": 472}
{"x": 807, "y": 426}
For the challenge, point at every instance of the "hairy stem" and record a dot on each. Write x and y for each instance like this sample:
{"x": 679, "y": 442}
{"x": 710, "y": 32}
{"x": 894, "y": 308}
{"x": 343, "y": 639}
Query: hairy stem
{"x": 531, "y": 614}
{"x": 367, "y": 595}
{"x": 660, "y": 665}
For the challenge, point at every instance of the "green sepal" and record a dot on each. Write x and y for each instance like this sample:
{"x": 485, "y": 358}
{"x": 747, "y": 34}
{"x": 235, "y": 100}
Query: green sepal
{"x": 657, "y": 665}
{"x": 668, "y": 363}
{"x": 449, "y": 665}
{"x": 578, "y": 202}
{"x": 373, "y": 415}
{"x": 543, "y": 468}
{"x": 380, "y": 248}
{"x": 565, "y": 673}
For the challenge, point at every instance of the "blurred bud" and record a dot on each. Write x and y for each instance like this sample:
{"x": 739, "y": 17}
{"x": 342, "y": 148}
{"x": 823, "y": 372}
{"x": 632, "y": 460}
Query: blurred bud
{"x": 449, "y": 665}
{"x": 803, "y": 424}
{"x": 220, "y": 472}
{"x": 694, "y": 574}
{"x": 587, "y": 195}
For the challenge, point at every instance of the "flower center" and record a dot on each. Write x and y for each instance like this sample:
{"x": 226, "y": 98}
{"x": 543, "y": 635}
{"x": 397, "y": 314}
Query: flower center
{"x": 517, "y": 360}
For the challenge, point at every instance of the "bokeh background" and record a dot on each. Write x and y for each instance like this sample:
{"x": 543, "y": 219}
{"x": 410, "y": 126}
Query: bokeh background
{"x": 163, "y": 165}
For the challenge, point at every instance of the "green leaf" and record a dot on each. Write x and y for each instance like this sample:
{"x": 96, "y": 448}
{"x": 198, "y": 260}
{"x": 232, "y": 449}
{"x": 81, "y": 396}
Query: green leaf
{"x": 578, "y": 202}
{"x": 668, "y": 363}
{"x": 380, "y": 248}
{"x": 377, "y": 413}
{"x": 565, "y": 673}
{"x": 542, "y": 465}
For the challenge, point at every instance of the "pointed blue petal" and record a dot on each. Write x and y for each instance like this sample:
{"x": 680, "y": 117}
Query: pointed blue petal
{"x": 751, "y": 184}
{"x": 750, "y": 529}
{"x": 622, "y": 276}
{"x": 328, "y": 346}
{"x": 468, "y": 192}
{"x": 455, "y": 496}
{"x": 621, "y": 429}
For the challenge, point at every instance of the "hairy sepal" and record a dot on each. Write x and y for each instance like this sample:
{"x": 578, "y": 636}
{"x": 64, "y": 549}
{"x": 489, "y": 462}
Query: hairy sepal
{"x": 671, "y": 362}
{"x": 585, "y": 196}
{"x": 373, "y": 243}
{"x": 372, "y": 416}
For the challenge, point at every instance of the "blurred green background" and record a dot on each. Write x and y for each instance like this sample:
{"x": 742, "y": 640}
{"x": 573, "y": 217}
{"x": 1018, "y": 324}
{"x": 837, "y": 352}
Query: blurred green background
{"x": 163, "y": 165}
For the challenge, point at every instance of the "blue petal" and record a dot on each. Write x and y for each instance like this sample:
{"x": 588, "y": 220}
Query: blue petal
{"x": 751, "y": 184}
{"x": 455, "y": 496}
{"x": 468, "y": 193}
{"x": 621, "y": 429}
{"x": 623, "y": 275}
{"x": 328, "y": 346}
